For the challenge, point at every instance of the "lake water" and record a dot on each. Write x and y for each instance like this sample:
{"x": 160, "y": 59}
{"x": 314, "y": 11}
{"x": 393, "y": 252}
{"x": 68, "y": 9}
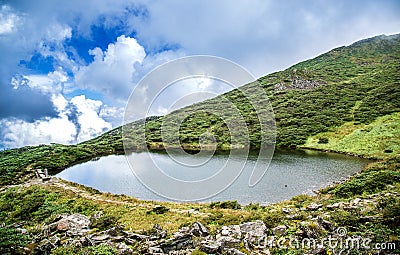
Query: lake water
{"x": 290, "y": 173}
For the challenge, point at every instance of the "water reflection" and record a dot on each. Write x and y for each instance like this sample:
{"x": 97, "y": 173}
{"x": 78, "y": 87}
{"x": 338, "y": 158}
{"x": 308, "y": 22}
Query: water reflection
{"x": 290, "y": 173}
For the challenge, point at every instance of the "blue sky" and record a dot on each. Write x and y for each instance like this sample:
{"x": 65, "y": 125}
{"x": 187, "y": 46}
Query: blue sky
{"x": 67, "y": 67}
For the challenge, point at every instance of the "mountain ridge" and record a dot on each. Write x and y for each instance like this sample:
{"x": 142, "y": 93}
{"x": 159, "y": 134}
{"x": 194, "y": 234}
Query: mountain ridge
{"x": 355, "y": 83}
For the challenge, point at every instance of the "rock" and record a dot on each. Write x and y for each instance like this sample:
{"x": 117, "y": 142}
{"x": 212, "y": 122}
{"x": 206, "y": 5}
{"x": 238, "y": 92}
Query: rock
{"x": 155, "y": 250}
{"x": 294, "y": 217}
{"x": 233, "y": 251}
{"x": 314, "y": 207}
{"x": 160, "y": 233}
{"x": 324, "y": 223}
{"x": 253, "y": 231}
{"x": 279, "y": 230}
{"x": 256, "y": 228}
{"x": 54, "y": 240}
{"x": 335, "y": 205}
{"x": 228, "y": 242}
{"x": 350, "y": 208}
{"x": 115, "y": 231}
{"x": 199, "y": 230}
{"x": 182, "y": 232}
{"x": 74, "y": 224}
{"x": 287, "y": 210}
{"x": 44, "y": 247}
{"x": 176, "y": 244}
{"x": 100, "y": 238}
{"x": 211, "y": 247}
{"x": 232, "y": 231}
{"x": 123, "y": 249}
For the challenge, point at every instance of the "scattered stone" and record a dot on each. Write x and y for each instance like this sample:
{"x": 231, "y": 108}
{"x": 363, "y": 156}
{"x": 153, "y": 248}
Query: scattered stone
{"x": 356, "y": 201}
{"x": 256, "y": 228}
{"x": 211, "y": 247}
{"x": 123, "y": 249}
{"x": 74, "y": 224}
{"x": 100, "y": 238}
{"x": 228, "y": 242}
{"x": 335, "y": 205}
{"x": 314, "y": 207}
{"x": 287, "y": 210}
{"x": 233, "y": 251}
{"x": 279, "y": 230}
{"x": 199, "y": 230}
{"x": 232, "y": 231}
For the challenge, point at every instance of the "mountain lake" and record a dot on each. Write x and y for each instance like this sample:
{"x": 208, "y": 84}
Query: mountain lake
{"x": 290, "y": 173}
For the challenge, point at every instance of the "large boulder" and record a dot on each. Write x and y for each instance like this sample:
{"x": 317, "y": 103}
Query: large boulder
{"x": 73, "y": 224}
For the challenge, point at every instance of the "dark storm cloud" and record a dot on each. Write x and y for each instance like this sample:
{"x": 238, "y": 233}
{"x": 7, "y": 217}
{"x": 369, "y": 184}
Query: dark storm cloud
{"x": 24, "y": 103}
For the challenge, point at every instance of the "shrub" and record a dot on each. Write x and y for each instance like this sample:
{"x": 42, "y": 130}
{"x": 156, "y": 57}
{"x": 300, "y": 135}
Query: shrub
{"x": 12, "y": 241}
{"x": 104, "y": 222}
{"x": 226, "y": 205}
{"x": 323, "y": 140}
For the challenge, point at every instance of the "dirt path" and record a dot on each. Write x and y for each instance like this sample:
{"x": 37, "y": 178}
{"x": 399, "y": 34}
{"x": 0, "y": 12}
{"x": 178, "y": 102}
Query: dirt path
{"x": 82, "y": 192}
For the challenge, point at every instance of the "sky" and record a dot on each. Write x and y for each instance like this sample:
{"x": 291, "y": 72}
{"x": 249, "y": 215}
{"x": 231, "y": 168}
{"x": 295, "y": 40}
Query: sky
{"x": 67, "y": 68}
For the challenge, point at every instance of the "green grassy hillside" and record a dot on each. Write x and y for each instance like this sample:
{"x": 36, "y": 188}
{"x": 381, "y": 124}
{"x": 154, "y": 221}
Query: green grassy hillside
{"x": 344, "y": 90}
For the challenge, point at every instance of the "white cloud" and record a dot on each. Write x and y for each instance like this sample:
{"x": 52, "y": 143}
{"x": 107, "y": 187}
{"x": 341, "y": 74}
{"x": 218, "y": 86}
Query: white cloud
{"x": 74, "y": 124}
{"x": 8, "y": 20}
{"x": 111, "y": 71}
{"x": 90, "y": 123}
{"x": 17, "y": 133}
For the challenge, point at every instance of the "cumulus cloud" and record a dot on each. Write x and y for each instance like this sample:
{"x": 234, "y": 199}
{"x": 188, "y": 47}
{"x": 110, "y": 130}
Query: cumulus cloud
{"x": 44, "y": 73}
{"x": 111, "y": 71}
{"x": 266, "y": 36}
{"x": 8, "y": 20}
{"x": 78, "y": 120}
{"x": 88, "y": 119}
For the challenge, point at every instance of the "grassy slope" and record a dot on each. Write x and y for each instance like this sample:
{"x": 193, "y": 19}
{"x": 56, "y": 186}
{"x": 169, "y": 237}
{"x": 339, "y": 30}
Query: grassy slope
{"x": 360, "y": 83}
{"x": 357, "y": 110}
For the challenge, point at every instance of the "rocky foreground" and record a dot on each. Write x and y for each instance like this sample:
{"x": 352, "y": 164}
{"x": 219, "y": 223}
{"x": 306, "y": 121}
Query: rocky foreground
{"x": 313, "y": 234}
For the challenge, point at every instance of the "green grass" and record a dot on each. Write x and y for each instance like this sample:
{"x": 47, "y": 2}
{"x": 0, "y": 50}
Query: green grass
{"x": 378, "y": 139}
{"x": 358, "y": 84}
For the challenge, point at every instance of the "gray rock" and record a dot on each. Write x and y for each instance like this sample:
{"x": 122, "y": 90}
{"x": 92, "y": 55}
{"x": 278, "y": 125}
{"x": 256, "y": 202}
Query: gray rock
{"x": 232, "y": 231}
{"x": 233, "y": 251}
{"x": 199, "y": 230}
{"x": 44, "y": 247}
{"x": 279, "y": 230}
{"x": 256, "y": 228}
{"x": 211, "y": 247}
{"x": 228, "y": 242}
{"x": 314, "y": 207}
{"x": 100, "y": 238}
{"x": 182, "y": 232}
{"x": 176, "y": 244}
{"x": 123, "y": 249}
{"x": 74, "y": 224}
{"x": 155, "y": 250}
{"x": 335, "y": 205}
{"x": 287, "y": 210}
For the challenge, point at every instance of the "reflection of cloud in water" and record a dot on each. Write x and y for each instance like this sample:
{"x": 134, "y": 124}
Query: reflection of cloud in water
{"x": 289, "y": 174}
